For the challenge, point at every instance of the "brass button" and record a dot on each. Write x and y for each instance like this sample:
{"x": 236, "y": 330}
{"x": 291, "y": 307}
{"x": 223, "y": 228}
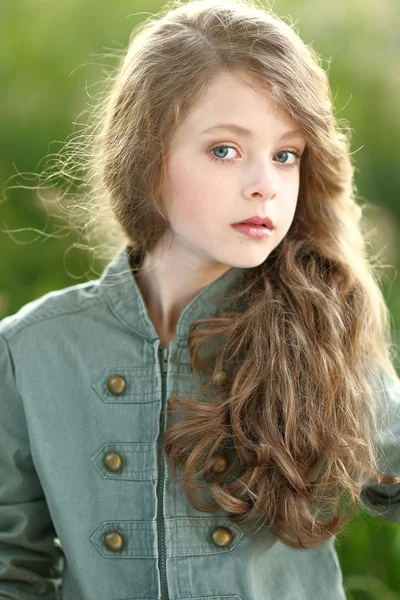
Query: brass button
{"x": 220, "y": 464}
{"x": 114, "y": 541}
{"x": 113, "y": 462}
{"x": 116, "y": 385}
{"x": 219, "y": 377}
{"x": 221, "y": 536}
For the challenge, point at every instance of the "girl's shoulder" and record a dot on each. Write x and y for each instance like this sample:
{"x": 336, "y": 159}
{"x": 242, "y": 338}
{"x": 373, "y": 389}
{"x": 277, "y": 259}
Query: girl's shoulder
{"x": 57, "y": 303}
{"x": 69, "y": 300}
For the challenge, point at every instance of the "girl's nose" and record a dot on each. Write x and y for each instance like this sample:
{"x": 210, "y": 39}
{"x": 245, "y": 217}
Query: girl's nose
{"x": 263, "y": 184}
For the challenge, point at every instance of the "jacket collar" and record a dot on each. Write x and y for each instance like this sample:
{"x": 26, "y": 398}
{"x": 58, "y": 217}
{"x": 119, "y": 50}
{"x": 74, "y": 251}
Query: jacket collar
{"x": 126, "y": 301}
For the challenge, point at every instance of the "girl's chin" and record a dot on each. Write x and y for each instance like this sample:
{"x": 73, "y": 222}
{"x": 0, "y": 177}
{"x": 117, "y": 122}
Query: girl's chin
{"x": 246, "y": 260}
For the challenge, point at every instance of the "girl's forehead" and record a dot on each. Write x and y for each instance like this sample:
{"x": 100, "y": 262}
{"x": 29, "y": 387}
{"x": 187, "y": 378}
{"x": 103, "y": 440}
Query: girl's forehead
{"x": 235, "y": 86}
{"x": 239, "y": 103}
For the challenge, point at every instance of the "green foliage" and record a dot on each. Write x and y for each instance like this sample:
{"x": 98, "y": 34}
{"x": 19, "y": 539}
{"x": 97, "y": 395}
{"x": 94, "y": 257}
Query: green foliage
{"x": 369, "y": 551}
{"x": 51, "y": 60}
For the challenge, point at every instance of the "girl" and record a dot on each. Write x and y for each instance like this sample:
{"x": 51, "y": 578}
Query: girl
{"x": 201, "y": 421}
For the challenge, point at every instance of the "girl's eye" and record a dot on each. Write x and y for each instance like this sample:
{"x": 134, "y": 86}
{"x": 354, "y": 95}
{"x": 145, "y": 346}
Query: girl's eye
{"x": 221, "y": 154}
{"x": 283, "y": 156}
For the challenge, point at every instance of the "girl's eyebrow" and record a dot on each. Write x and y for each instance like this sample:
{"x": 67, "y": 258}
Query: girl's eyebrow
{"x": 246, "y": 132}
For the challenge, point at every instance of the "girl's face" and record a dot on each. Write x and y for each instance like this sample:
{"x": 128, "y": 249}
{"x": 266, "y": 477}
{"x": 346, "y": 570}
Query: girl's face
{"x": 234, "y": 157}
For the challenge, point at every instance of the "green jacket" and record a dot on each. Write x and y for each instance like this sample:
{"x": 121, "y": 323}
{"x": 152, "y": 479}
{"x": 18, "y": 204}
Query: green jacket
{"x": 87, "y": 508}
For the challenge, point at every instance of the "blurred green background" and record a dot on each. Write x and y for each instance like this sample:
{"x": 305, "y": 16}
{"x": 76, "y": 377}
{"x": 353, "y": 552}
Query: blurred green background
{"x": 51, "y": 60}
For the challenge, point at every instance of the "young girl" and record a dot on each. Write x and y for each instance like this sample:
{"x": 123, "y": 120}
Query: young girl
{"x": 201, "y": 421}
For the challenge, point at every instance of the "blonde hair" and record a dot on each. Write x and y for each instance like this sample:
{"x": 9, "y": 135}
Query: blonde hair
{"x": 310, "y": 329}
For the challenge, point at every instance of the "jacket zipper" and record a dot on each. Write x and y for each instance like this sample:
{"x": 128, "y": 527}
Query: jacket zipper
{"x": 163, "y": 357}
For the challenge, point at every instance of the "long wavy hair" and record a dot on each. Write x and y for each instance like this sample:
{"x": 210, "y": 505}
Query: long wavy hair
{"x": 295, "y": 415}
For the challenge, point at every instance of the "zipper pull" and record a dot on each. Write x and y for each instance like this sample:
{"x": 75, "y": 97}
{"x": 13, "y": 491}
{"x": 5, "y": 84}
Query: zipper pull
{"x": 165, "y": 359}
{"x": 164, "y": 352}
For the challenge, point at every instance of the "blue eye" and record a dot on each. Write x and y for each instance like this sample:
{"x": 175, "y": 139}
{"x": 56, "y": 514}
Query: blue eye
{"x": 221, "y": 152}
{"x": 285, "y": 154}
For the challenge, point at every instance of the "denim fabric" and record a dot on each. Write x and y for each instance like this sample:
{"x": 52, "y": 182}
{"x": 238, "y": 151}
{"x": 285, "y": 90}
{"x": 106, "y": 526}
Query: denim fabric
{"x": 58, "y": 501}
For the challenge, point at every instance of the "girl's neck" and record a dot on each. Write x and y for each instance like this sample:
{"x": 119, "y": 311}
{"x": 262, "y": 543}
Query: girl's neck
{"x": 168, "y": 280}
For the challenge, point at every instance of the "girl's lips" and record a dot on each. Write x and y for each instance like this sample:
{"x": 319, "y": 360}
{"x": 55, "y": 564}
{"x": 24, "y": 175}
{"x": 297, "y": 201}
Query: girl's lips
{"x": 253, "y": 231}
{"x": 257, "y": 220}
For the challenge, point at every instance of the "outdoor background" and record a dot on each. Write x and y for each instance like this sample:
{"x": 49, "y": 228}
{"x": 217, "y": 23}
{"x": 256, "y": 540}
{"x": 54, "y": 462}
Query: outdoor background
{"x": 51, "y": 57}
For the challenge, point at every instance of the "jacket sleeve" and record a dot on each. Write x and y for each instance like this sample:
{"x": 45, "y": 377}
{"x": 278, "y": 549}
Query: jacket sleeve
{"x": 384, "y": 501}
{"x": 30, "y": 563}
